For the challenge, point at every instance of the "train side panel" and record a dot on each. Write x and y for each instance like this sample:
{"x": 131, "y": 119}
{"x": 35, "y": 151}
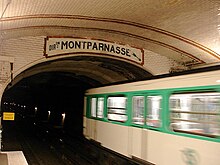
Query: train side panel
{"x": 90, "y": 131}
{"x": 153, "y": 146}
{"x": 113, "y": 136}
{"x": 166, "y": 149}
{"x": 128, "y": 141}
{"x": 162, "y": 145}
{"x": 138, "y": 138}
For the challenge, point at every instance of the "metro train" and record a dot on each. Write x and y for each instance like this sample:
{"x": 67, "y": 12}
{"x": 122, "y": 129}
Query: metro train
{"x": 166, "y": 121}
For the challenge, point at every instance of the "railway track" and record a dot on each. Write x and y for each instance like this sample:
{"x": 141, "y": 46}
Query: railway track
{"x": 38, "y": 150}
{"x": 45, "y": 145}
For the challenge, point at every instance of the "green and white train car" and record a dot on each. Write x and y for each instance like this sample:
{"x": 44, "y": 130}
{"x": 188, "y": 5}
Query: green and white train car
{"x": 173, "y": 120}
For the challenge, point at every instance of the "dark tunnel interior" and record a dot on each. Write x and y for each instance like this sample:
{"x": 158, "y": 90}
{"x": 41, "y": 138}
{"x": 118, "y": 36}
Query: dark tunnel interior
{"x": 52, "y": 98}
{"x": 52, "y": 93}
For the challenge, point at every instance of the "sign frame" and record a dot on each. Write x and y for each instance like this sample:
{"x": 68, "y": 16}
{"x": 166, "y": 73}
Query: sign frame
{"x": 69, "y": 45}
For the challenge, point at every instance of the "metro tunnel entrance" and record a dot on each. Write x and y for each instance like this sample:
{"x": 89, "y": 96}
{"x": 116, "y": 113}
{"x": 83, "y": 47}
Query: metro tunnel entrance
{"x": 53, "y": 92}
{"x": 52, "y": 98}
{"x": 48, "y": 110}
{"x": 48, "y": 123}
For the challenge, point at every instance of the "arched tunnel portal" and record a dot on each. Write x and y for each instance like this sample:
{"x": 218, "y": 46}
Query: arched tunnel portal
{"x": 53, "y": 92}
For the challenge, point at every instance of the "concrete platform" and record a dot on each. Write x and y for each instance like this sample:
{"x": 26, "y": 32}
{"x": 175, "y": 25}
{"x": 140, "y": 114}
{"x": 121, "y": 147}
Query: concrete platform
{"x": 12, "y": 158}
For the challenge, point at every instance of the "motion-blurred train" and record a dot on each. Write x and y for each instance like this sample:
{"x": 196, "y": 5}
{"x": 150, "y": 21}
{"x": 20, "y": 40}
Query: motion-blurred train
{"x": 166, "y": 121}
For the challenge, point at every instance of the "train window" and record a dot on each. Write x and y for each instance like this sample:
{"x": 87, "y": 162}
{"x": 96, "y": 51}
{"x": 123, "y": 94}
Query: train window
{"x": 196, "y": 113}
{"x": 138, "y": 110}
{"x": 117, "y": 108}
{"x": 100, "y": 108}
{"x": 93, "y": 107}
{"x": 153, "y": 111}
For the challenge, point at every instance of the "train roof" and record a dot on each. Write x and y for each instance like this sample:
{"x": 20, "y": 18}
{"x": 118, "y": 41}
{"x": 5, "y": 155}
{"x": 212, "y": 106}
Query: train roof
{"x": 191, "y": 79}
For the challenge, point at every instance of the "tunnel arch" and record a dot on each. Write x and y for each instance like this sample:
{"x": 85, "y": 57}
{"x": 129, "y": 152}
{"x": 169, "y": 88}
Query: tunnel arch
{"x": 55, "y": 83}
{"x": 113, "y": 69}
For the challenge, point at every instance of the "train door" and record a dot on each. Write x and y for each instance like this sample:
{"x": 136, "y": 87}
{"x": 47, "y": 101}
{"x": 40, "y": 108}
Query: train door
{"x": 137, "y": 134}
{"x": 84, "y": 117}
{"x": 153, "y": 123}
{"x": 90, "y": 121}
{"x": 145, "y": 118}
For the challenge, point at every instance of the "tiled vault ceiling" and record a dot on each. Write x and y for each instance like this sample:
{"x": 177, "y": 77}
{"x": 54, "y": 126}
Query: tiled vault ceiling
{"x": 174, "y": 34}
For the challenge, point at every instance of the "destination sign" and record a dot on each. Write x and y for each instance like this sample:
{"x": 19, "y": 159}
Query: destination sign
{"x": 64, "y": 46}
